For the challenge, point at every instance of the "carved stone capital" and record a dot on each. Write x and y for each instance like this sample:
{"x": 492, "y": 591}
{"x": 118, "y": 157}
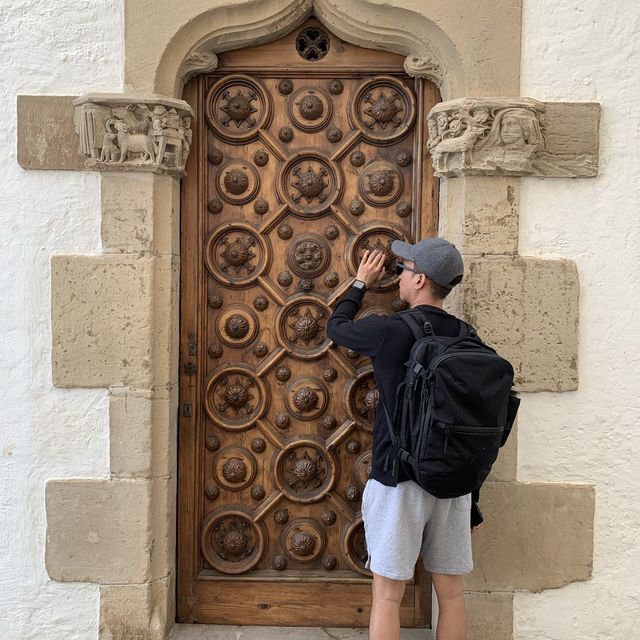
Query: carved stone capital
{"x": 514, "y": 137}
{"x": 143, "y": 133}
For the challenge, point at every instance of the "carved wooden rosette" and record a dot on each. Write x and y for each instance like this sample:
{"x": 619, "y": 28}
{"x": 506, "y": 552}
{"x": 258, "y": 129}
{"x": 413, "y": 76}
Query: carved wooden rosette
{"x": 284, "y": 161}
{"x": 231, "y": 541}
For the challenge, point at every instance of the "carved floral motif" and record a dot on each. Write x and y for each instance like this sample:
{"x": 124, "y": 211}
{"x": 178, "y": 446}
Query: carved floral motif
{"x": 310, "y": 184}
{"x": 308, "y": 255}
{"x": 234, "y": 394}
{"x": 306, "y": 326}
{"x": 305, "y": 399}
{"x": 233, "y": 538}
{"x": 237, "y": 326}
{"x": 383, "y": 109}
{"x": 237, "y": 254}
{"x": 305, "y": 470}
{"x": 234, "y": 470}
{"x": 238, "y": 107}
{"x": 236, "y": 181}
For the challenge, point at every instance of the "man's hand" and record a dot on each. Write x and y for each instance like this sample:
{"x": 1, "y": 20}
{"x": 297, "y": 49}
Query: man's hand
{"x": 371, "y": 267}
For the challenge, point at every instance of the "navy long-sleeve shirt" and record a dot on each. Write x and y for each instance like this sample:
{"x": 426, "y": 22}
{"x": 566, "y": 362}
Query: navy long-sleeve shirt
{"x": 387, "y": 341}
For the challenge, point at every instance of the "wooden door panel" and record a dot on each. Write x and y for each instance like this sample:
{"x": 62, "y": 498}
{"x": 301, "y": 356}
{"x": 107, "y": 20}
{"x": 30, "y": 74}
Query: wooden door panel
{"x": 296, "y": 174}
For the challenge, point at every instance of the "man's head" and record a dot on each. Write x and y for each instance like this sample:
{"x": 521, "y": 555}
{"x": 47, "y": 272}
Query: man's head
{"x": 433, "y": 264}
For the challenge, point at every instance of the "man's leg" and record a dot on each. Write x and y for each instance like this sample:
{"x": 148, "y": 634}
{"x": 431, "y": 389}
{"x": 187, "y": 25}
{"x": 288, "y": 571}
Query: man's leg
{"x": 385, "y": 608}
{"x": 452, "y": 618}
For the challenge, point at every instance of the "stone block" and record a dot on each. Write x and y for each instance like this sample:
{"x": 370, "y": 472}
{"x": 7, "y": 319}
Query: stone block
{"x": 140, "y": 212}
{"x": 490, "y": 615}
{"x": 490, "y": 224}
{"x": 535, "y": 536}
{"x": 506, "y": 466}
{"x": 98, "y": 530}
{"x": 109, "y": 325}
{"x": 46, "y": 133}
{"x": 166, "y": 320}
{"x": 162, "y": 546}
{"x": 527, "y": 308}
{"x": 142, "y": 431}
{"x": 572, "y": 140}
{"x": 137, "y": 611}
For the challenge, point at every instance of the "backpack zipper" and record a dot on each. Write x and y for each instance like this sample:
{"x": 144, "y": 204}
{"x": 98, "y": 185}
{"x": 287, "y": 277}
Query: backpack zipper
{"x": 467, "y": 352}
{"x": 475, "y": 431}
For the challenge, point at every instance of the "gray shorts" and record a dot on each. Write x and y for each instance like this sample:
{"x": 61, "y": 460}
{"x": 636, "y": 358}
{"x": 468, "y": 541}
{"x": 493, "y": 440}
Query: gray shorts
{"x": 405, "y": 522}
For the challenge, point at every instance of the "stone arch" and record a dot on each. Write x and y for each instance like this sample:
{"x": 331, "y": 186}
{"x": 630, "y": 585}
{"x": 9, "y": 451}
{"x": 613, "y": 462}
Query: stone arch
{"x": 193, "y": 48}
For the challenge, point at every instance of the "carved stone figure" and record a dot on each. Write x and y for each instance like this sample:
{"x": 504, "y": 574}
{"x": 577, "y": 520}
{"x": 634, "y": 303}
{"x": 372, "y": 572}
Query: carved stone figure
{"x": 486, "y": 136}
{"x": 110, "y": 152}
{"x": 133, "y": 143}
{"x": 152, "y": 134}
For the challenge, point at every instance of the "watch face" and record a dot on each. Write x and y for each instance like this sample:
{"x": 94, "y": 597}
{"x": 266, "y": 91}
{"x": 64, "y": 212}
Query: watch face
{"x": 358, "y": 284}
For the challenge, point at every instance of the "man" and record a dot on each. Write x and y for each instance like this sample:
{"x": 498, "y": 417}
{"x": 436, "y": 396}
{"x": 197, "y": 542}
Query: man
{"x": 404, "y": 522}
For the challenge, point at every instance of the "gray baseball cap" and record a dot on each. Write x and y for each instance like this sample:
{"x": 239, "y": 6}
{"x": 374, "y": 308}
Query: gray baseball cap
{"x": 435, "y": 257}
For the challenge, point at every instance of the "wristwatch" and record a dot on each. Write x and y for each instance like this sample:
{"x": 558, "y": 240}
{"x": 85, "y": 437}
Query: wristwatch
{"x": 358, "y": 284}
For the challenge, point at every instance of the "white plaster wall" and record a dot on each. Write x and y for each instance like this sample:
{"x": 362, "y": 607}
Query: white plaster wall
{"x": 64, "y": 47}
{"x": 590, "y": 50}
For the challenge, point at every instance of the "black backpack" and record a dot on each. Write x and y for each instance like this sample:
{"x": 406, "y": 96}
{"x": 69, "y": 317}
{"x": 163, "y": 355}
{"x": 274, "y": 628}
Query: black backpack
{"x": 454, "y": 410}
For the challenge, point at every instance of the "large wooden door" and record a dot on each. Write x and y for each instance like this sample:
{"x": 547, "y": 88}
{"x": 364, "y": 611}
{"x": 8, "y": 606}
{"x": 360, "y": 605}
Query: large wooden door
{"x": 306, "y": 152}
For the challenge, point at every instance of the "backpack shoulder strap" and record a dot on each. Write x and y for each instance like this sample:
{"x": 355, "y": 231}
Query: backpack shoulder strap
{"x": 466, "y": 330}
{"x": 419, "y": 330}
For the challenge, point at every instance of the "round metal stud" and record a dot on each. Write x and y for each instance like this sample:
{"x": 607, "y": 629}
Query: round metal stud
{"x": 258, "y": 445}
{"x": 214, "y": 206}
{"x": 214, "y": 350}
{"x": 285, "y": 86}
{"x": 285, "y": 134}
{"x": 336, "y": 87}
{"x": 261, "y": 157}
{"x": 261, "y": 206}
{"x": 215, "y": 156}
{"x": 357, "y": 158}
{"x": 403, "y": 209}
{"x": 212, "y": 443}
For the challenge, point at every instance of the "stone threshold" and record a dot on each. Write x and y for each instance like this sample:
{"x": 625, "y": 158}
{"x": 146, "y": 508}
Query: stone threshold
{"x": 219, "y": 632}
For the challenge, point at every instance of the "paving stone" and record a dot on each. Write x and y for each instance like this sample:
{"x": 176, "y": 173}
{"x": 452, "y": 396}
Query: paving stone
{"x": 216, "y": 632}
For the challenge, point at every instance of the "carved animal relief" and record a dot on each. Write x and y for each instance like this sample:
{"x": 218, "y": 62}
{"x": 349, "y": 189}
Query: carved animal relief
{"x": 146, "y": 135}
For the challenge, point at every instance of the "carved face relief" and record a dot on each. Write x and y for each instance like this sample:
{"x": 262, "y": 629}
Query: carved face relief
{"x": 511, "y": 132}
